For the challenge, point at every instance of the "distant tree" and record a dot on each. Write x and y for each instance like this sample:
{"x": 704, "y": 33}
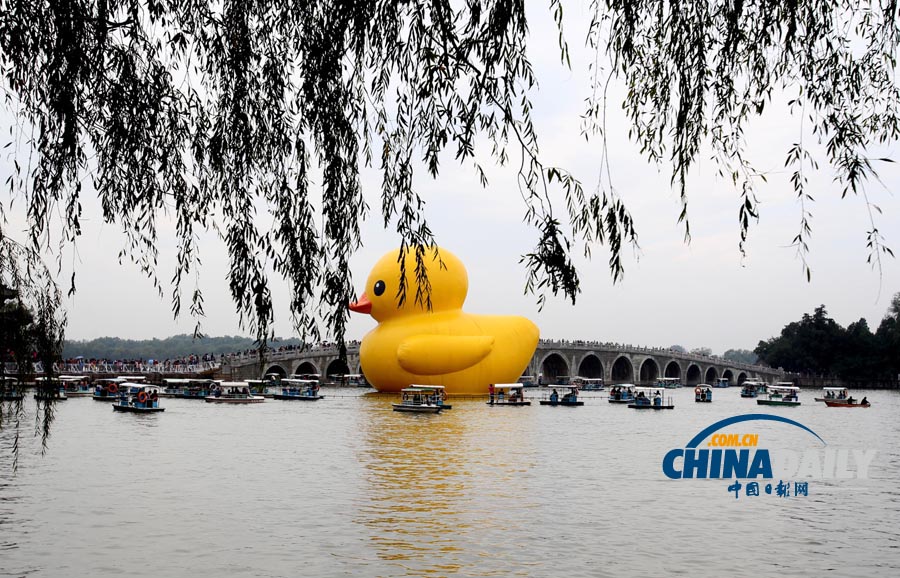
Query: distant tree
{"x": 209, "y": 111}
{"x": 678, "y": 348}
{"x": 702, "y": 351}
{"x": 887, "y": 338}
{"x": 172, "y": 347}
{"x": 818, "y": 345}
{"x": 740, "y": 356}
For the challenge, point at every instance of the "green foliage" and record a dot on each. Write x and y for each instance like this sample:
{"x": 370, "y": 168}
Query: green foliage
{"x": 173, "y": 347}
{"x": 817, "y": 345}
{"x": 741, "y": 356}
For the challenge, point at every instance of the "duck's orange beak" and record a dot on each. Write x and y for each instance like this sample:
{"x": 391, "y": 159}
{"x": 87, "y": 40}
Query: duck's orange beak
{"x": 362, "y": 305}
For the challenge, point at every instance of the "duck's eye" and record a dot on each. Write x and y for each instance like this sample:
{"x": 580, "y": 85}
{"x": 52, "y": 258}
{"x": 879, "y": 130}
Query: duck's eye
{"x": 379, "y": 288}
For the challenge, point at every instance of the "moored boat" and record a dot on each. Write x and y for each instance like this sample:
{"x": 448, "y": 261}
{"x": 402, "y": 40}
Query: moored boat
{"x": 568, "y": 399}
{"x": 10, "y": 390}
{"x": 233, "y": 392}
{"x": 77, "y": 385}
{"x": 721, "y": 382}
{"x": 648, "y": 398}
{"x": 703, "y": 393}
{"x": 138, "y": 398}
{"x": 418, "y": 399}
{"x": 507, "y": 394}
{"x": 49, "y": 389}
{"x": 782, "y": 394}
{"x": 298, "y": 390}
{"x": 107, "y": 388}
{"x": 751, "y": 388}
{"x": 527, "y": 381}
{"x": 622, "y": 393}
{"x": 187, "y": 388}
{"x": 588, "y": 383}
{"x": 668, "y": 383}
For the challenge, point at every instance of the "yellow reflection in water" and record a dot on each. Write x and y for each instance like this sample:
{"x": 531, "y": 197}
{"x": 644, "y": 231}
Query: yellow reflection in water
{"x": 437, "y": 485}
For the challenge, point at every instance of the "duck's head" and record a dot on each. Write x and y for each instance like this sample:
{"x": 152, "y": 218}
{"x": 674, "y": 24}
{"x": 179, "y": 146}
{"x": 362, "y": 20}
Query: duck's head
{"x": 446, "y": 276}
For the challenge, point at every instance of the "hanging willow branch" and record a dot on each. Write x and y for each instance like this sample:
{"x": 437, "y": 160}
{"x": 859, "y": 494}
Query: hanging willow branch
{"x": 217, "y": 114}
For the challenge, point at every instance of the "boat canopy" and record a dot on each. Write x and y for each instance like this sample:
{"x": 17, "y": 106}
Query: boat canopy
{"x": 785, "y": 387}
{"x": 72, "y": 377}
{"x": 134, "y": 377}
{"x": 419, "y": 389}
{"x": 233, "y": 383}
{"x": 435, "y": 387}
{"x": 835, "y": 389}
{"x": 111, "y": 380}
{"x": 508, "y": 386}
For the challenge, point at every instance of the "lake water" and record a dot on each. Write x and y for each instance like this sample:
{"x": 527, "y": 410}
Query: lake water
{"x": 347, "y": 487}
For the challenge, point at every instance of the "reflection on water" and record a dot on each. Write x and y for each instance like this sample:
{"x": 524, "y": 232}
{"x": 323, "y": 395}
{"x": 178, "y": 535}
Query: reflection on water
{"x": 347, "y": 487}
{"x": 434, "y": 483}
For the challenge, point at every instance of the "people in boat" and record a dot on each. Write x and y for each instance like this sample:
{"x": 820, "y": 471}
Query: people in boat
{"x": 850, "y": 400}
{"x": 864, "y": 401}
{"x": 491, "y": 392}
{"x": 554, "y": 396}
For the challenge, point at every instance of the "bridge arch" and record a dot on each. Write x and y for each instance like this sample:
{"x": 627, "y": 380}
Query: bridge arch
{"x": 337, "y": 367}
{"x": 692, "y": 377}
{"x": 552, "y": 366}
{"x": 277, "y": 369}
{"x": 622, "y": 370}
{"x": 307, "y": 367}
{"x": 673, "y": 369}
{"x": 649, "y": 370}
{"x": 742, "y": 377}
{"x": 712, "y": 375}
{"x": 590, "y": 366}
{"x": 729, "y": 375}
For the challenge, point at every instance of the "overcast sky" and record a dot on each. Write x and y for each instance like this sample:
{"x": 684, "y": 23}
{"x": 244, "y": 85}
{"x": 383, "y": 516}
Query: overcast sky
{"x": 702, "y": 294}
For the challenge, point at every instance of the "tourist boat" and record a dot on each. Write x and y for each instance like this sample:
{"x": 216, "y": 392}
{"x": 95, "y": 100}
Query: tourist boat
{"x": 186, "y": 388}
{"x": 834, "y": 394}
{"x": 781, "y": 394}
{"x": 703, "y": 393}
{"x": 570, "y": 398}
{"x": 9, "y": 389}
{"x": 668, "y": 383}
{"x": 721, "y": 382}
{"x": 588, "y": 383}
{"x": 650, "y": 398}
{"x": 418, "y": 399}
{"x": 508, "y": 394}
{"x": 261, "y": 386}
{"x": 233, "y": 392}
{"x": 77, "y": 385}
{"x": 299, "y": 390}
{"x": 527, "y": 381}
{"x": 54, "y": 390}
{"x": 138, "y": 398}
{"x": 849, "y": 402}
{"x": 107, "y": 388}
{"x": 622, "y": 393}
{"x": 752, "y": 388}
{"x": 441, "y": 399}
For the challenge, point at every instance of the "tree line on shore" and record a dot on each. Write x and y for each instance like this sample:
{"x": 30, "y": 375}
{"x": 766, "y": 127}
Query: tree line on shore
{"x": 817, "y": 345}
{"x": 176, "y": 346}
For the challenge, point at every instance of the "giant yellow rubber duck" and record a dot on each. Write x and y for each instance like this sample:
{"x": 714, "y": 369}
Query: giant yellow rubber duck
{"x": 444, "y": 346}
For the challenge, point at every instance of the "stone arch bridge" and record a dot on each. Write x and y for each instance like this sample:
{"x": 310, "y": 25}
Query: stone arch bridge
{"x": 615, "y": 363}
